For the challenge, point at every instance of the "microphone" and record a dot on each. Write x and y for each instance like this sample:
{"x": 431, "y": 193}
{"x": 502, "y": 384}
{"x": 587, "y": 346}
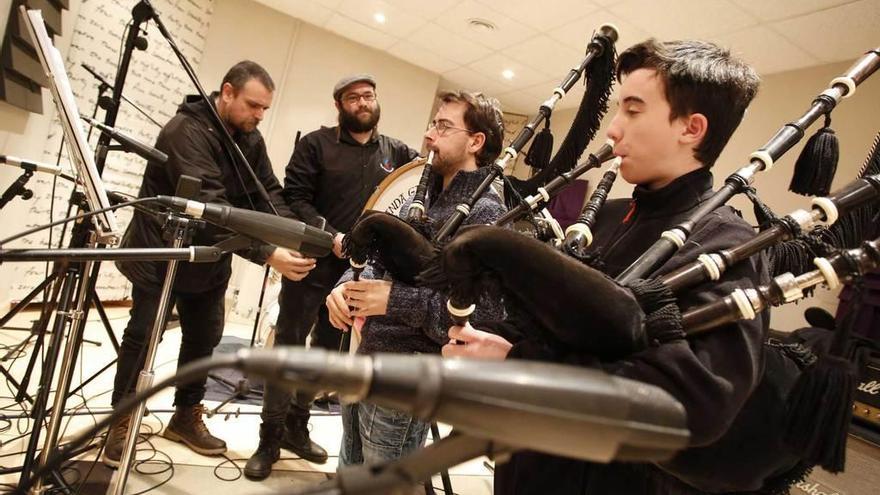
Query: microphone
{"x": 562, "y": 410}
{"x": 32, "y": 166}
{"x": 129, "y": 143}
{"x": 271, "y": 229}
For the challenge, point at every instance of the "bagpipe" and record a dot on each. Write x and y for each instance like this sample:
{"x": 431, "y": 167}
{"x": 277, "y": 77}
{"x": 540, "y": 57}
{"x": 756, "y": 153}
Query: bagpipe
{"x": 404, "y": 247}
{"x": 607, "y": 318}
{"x": 484, "y": 256}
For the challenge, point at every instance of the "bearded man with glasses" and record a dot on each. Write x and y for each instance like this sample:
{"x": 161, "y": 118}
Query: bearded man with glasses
{"x": 328, "y": 181}
{"x": 465, "y": 135}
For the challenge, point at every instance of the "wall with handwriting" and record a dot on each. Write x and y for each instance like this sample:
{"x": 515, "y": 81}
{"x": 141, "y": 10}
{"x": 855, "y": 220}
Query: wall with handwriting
{"x": 155, "y": 82}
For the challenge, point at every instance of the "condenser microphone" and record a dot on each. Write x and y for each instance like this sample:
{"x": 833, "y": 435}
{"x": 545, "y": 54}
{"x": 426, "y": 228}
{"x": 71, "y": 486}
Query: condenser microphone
{"x": 129, "y": 143}
{"x": 562, "y": 410}
{"x": 265, "y": 227}
{"x": 30, "y": 165}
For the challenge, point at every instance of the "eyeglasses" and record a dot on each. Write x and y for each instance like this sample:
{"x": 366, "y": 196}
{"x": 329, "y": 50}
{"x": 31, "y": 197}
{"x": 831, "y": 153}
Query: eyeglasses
{"x": 352, "y": 99}
{"x": 441, "y": 127}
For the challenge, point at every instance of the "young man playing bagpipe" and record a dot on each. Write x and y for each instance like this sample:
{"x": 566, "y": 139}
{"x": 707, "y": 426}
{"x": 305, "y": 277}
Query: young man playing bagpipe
{"x": 679, "y": 103}
{"x": 465, "y": 136}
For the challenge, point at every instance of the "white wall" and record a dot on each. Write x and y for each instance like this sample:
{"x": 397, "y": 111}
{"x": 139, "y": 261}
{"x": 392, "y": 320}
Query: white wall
{"x": 782, "y": 98}
{"x": 305, "y": 62}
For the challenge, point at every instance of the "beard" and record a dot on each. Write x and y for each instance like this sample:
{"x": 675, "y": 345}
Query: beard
{"x": 445, "y": 164}
{"x": 364, "y": 119}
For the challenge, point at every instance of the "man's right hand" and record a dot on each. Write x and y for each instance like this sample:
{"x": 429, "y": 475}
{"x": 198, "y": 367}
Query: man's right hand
{"x": 290, "y": 263}
{"x": 337, "y": 245}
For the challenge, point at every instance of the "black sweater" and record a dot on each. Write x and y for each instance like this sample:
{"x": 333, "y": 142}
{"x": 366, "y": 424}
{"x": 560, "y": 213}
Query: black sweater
{"x": 711, "y": 375}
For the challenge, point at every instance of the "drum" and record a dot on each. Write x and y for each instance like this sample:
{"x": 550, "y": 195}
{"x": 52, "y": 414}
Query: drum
{"x": 397, "y": 188}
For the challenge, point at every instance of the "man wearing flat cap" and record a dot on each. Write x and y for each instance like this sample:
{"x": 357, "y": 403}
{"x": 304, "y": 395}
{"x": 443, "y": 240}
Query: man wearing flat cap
{"x": 330, "y": 177}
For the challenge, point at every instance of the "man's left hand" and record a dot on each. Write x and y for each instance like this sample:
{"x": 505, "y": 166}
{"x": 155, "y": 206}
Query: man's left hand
{"x": 469, "y": 342}
{"x": 368, "y": 297}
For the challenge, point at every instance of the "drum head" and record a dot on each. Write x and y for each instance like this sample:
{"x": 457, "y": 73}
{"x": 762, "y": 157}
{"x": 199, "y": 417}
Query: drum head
{"x": 396, "y": 189}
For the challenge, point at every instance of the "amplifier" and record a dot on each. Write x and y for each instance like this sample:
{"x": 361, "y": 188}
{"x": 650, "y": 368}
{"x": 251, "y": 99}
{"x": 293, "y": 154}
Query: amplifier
{"x": 866, "y": 403}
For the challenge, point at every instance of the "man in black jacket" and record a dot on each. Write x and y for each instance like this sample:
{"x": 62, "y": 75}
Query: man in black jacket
{"x": 195, "y": 148}
{"x": 330, "y": 177}
{"x": 679, "y": 103}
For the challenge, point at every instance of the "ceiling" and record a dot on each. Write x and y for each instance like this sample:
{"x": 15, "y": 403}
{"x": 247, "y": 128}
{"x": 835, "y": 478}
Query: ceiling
{"x": 539, "y": 41}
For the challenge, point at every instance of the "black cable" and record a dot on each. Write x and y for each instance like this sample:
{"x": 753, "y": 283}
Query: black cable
{"x": 73, "y": 218}
{"x": 185, "y": 374}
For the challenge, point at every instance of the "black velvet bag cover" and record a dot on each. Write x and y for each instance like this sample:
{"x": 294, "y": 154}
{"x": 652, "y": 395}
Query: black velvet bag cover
{"x": 395, "y": 244}
{"x": 576, "y": 305}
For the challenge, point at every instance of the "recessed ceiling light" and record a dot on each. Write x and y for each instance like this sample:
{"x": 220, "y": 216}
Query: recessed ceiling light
{"x": 481, "y": 25}
{"x": 507, "y": 74}
{"x": 379, "y": 17}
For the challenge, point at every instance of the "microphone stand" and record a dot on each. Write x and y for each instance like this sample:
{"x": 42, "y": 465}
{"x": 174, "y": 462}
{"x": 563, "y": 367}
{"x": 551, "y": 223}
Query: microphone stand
{"x": 179, "y": 230}
{"x": 399, "y": 476}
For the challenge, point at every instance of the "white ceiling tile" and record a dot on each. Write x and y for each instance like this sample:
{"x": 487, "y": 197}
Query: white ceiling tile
{"x": 356, "y": 31}
{"x": 311, "y": 12}
{"x": 447, "y": 44}
{"x": 772, "y": 11}
{"x": 426, "y": 9}
{"x": 493, "y": 65}
{"x": 577, "y": 34}
{"x": 518, "y": 102}
{"x": 679, "y": 19}
{"x": 539, "y": 15}
{"x": 398, "y": 22}
{"x": 416, "y": 55}
{"x": 546, "y": 55}
{"x": 751, "y": 44}
{"x": 507, "y": 31}
{"x": 841, "y": 33}
{"x": 470, "y": 80}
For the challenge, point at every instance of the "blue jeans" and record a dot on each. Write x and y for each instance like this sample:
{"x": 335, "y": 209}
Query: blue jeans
{"x": 372, "y": 434}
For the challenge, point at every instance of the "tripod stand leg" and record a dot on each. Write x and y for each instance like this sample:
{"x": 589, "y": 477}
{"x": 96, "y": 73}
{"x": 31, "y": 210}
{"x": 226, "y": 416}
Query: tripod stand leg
{"x": 68, "y": 365}
{"x": 41, "y": 398}
{"x": 48, "y": 310}
{"x": 99, "y": 306}
{"x": 147, "y": 375}
{"x": 24, "y": 302}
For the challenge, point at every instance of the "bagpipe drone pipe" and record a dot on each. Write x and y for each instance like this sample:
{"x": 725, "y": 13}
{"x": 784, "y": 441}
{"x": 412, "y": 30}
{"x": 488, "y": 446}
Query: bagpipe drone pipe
{"x": 579, "y": 236}
{"x": 404, "y": 247}
{"x": 581, "y": 310}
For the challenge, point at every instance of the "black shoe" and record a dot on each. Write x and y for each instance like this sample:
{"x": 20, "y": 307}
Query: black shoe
{"x": 296, "y": 439}
{"x": 259, "y": 466}
{"x": 327, "y": 401}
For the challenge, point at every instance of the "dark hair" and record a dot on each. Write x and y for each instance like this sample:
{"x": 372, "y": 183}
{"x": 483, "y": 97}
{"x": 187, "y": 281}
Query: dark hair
{"x": 698, "y": 77}
{"x": 483, "y": 114}
{"x": 243, "y": 72}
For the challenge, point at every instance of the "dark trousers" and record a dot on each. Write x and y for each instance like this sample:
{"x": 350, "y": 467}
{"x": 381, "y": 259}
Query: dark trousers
{"x": 301, "y": 304}
{"x": 201, "y": 322}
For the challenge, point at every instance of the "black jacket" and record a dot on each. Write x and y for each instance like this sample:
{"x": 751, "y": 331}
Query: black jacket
{"x": 331, "y": 175}
{"x": 195, "y": 148}
{"x": 711, "y": 375}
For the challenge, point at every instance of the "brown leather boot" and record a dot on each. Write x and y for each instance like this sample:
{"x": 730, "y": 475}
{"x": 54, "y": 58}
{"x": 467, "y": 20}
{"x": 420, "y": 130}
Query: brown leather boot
{"x": 186, "y": 426}
{"x": 115, "y": 441}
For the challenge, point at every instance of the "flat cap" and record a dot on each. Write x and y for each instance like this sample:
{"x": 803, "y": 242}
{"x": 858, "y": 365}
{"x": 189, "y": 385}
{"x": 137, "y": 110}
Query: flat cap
{"x": 347, "y": 81}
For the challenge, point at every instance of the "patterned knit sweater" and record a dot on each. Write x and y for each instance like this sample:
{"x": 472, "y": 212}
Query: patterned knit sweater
{"x": 416, "y": 320}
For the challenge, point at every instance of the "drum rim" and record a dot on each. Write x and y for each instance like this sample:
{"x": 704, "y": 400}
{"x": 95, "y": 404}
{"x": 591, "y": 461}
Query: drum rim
{"x": 390, "y": 178}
